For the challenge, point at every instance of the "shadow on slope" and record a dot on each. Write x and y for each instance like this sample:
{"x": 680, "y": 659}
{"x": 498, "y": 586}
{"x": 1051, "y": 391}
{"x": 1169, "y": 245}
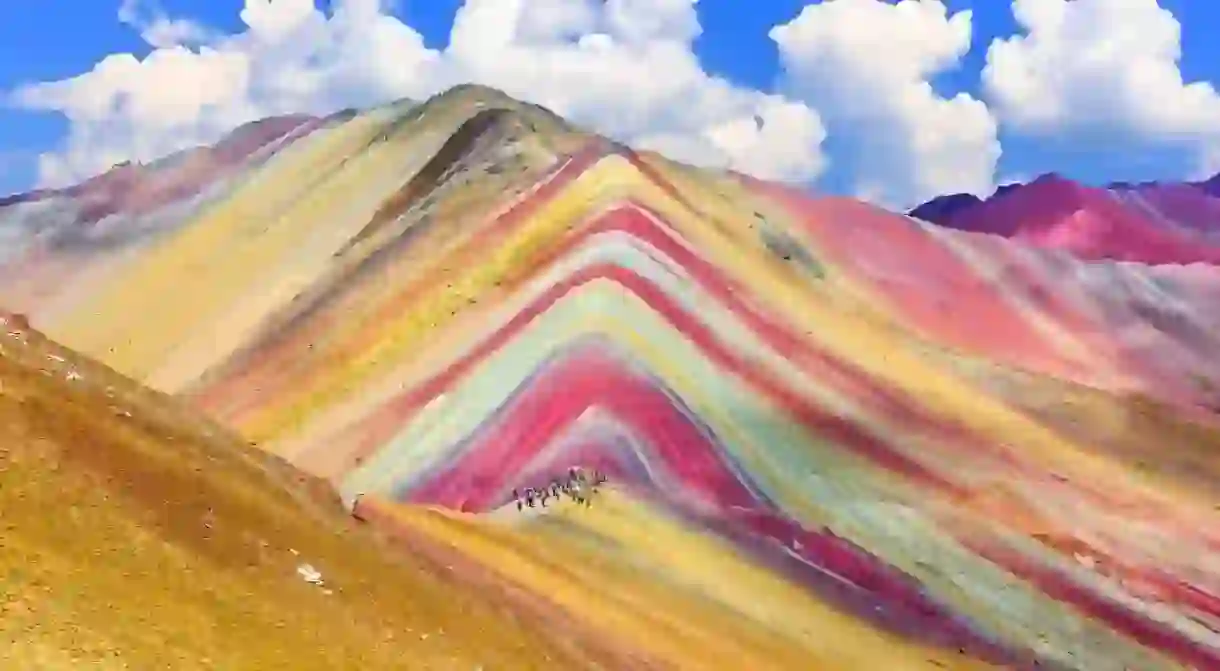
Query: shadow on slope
{"x": 487, "y": 127}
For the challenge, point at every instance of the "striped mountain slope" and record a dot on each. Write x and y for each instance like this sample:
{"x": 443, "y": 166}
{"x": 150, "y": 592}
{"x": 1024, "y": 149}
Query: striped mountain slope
{"x": 835, "y": 437}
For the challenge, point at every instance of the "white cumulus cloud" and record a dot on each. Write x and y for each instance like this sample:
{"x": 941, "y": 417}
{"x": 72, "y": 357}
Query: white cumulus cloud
{"x": 623, "y": 67}
{"x": 626, "y": 68}
{"x": 1100, "y": 71}
{"x": 158, "y": 29}
{"x": 866, "y": 66}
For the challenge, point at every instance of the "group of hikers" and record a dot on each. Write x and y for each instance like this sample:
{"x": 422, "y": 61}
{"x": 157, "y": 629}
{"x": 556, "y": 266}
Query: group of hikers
{"x": 577, "y": 485}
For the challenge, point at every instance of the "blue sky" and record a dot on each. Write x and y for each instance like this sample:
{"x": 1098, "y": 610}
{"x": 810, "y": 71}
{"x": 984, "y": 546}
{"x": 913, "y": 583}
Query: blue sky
{"x": 734, "y": 44}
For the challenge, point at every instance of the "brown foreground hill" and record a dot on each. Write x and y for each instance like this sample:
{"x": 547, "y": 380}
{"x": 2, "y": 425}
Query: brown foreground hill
{"x": 135, "y": 535}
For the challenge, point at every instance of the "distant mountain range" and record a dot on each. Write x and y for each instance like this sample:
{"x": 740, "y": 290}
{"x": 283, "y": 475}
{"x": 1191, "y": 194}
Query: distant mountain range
{"x": 1151, "y": 222}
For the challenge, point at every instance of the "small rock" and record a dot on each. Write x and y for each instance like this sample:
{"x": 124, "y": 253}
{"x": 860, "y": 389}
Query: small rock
{"x": 310, "y": 574}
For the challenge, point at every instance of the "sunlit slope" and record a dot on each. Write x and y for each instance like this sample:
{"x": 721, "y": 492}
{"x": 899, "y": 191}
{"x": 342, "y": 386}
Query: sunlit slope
{"x": 1117, "y": 326}
{"x": 764, "y": 400}
{"x": 690, "y": 602}
{"x": 61, "y": 245}
{"x": 185, "y": 301}
{"x": 167, "y": 292}
{"x": 822, "y": 400}
{"x": 136, "y": 536}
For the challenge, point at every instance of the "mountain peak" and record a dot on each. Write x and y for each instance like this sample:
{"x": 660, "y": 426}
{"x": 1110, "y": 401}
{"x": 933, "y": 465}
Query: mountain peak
{"x": 1052, "y": 178}
{"x": 471, "y": 90}
{"x": 1151, "y": 223}
{"x": 943, "y": 208}
{"x": 1210, "y": 185}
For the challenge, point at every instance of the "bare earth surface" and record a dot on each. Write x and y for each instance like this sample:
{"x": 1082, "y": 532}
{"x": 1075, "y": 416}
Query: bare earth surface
{"x": 156, "y": 541}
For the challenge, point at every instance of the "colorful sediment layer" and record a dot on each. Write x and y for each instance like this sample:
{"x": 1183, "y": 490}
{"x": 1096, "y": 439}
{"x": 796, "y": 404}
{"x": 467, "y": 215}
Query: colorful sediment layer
{"x": 836, "y": 437}
{"x": 1157, "y": 223}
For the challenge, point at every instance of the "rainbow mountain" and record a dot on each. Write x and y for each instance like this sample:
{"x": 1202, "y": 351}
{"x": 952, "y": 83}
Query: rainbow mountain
{"x": 836, "y": 437}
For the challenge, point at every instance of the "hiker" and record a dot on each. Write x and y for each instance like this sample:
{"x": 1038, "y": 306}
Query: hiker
{"x": 517, "y": 498}
{"x": 581, "y": 493}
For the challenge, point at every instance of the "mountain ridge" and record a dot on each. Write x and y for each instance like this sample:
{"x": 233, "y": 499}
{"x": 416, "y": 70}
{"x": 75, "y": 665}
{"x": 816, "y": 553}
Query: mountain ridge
{"x": 860, "y": 417}
{"x": 1155, "y": 223}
